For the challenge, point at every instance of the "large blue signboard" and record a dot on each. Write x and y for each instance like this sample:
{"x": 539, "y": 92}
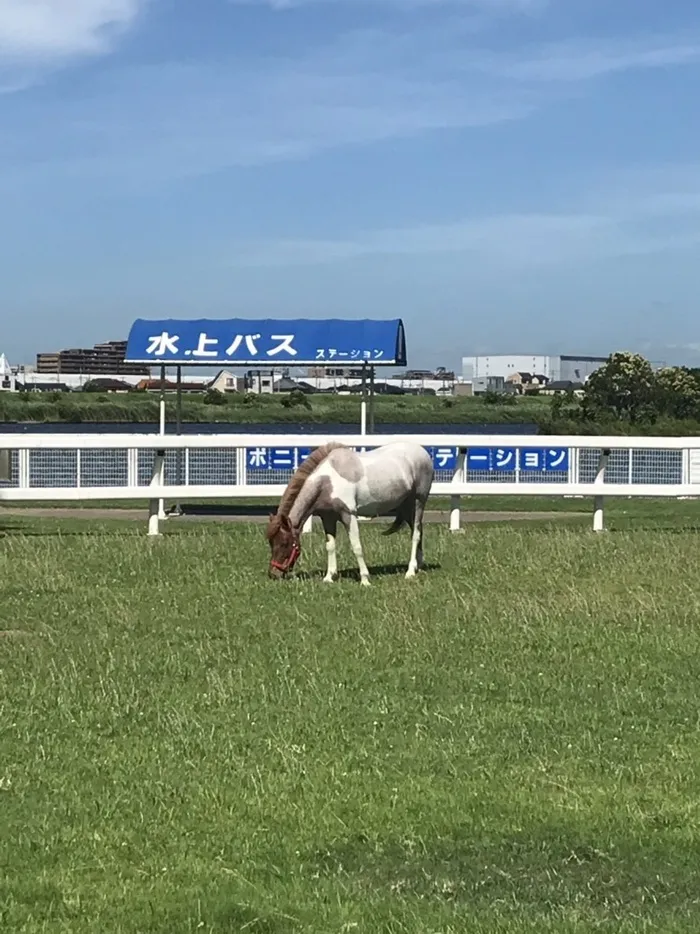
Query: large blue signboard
{"x": 508, "y": 460}
{"x": 267, "y": 342}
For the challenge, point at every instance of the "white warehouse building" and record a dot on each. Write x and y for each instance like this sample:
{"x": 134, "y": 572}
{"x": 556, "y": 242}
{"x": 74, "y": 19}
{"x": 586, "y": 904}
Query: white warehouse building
{"x": 555, "y": 367}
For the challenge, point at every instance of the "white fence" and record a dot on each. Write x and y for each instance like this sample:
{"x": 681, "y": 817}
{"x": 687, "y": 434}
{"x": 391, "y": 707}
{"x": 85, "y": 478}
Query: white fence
{"x": 159, "y": 468}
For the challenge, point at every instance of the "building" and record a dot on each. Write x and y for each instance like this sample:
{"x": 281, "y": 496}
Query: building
{"x": 553, "y": 367}
{"x": 483, "y": 384}
{"x": 339, "y": 372}
{"x": 105, "y": 358}
{"x": 8, "y": 379}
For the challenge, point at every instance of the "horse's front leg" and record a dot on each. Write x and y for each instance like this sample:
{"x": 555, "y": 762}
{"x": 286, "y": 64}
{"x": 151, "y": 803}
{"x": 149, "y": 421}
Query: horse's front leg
{"x": 330, "y": 527}
{"x": 353, "y": 527}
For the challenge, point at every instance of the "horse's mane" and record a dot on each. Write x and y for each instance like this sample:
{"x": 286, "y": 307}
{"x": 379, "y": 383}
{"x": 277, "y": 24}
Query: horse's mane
{"x": 301, "y": 475}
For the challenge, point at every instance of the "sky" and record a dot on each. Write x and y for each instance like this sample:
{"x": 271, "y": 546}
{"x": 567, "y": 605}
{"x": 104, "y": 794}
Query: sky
{"x": 513, "y": 176}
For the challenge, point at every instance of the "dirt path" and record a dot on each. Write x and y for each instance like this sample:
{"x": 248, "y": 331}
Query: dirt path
{"x": 253, "y": 514}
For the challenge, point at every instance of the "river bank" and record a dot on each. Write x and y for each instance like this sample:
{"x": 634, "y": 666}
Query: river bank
{"x": 236, "y": 413}
{"x": 279, "y": 409}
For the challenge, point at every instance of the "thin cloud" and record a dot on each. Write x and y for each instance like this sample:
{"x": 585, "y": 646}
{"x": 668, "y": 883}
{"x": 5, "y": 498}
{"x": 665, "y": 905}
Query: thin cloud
{"x": 47, "y": 31}
{"x": 492, "y": 6}
{"x": 647, "y": 223}
{"x": 585, "y": 60}
{"x": 153, "y": 124}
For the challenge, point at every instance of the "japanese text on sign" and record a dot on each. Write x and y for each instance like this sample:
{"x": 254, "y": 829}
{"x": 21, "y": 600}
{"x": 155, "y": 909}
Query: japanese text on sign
{"x": 508, "y": 460}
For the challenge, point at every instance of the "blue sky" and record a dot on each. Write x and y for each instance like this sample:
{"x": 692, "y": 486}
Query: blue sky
{"x": 506, "y": 175}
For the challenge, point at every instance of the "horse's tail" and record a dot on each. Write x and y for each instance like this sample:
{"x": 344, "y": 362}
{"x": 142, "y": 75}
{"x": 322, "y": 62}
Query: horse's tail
{"x": 395, "y": 525}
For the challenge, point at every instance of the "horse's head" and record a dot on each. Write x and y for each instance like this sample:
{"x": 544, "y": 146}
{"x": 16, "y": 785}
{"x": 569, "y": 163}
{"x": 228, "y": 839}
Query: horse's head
{"x": 284, "y": 546}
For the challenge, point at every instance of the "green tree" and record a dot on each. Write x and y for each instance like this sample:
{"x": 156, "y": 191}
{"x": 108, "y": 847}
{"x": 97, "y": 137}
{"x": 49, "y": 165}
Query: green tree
{"x": 624, "y": 387}
{"x": 678, "y": 392}
{"x": 565, "y": 405}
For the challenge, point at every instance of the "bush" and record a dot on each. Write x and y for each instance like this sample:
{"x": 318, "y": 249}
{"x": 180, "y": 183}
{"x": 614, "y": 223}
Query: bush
{"x": 296, "y": 398}
{"x": 499, "y": 398}
{"x": 214, "y": 397}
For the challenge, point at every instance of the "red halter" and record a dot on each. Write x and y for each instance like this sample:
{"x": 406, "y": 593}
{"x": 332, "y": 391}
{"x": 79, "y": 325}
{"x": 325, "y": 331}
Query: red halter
{"x": 291, "y": 560}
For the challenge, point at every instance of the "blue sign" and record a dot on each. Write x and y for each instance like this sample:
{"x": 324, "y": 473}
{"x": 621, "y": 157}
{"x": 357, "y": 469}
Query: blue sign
{"x": 532, "y": 459}
{"x": 267, "y": 342}
{"x": 557, "y": 459}
{"x": 257, "y": 458}
{"x": 528, "y": 460}
{"x": 444, "y": 458}
{"x": 479, "y": 459}
{"x": 502, "y": 460}
{"x": 274, "y": 458}
{"x": 505, "y": 459}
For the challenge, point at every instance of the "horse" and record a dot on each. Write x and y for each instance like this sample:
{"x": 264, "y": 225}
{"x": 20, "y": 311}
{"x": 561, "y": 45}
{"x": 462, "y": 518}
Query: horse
{"x": 338, "y": 484}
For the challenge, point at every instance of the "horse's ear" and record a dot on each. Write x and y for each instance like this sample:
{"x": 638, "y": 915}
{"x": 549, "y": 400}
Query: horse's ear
{"x": 284, "y": 522}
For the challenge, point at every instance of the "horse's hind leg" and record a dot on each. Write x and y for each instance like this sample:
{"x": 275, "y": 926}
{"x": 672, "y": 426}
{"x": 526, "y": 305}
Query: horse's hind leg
{"x": 353, "y": 527}
{"x": 416, "y": 561}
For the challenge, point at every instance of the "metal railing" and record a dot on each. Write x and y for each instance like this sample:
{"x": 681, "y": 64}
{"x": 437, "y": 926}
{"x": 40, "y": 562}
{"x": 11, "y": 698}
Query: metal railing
{"x": 157, "y": 468}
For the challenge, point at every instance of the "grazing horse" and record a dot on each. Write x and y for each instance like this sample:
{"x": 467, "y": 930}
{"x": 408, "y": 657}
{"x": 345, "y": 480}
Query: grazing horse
{"x": 336, "y": 483}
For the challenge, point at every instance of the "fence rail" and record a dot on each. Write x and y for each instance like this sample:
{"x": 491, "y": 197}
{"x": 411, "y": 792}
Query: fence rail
{"x": 159, "y": 468}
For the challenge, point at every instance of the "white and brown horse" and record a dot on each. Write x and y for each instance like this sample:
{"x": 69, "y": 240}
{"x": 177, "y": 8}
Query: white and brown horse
{"x": 339, "y": 484}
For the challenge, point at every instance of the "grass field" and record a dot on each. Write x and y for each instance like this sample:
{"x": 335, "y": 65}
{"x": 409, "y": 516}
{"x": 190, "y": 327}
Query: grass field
{"x": 510, "y": 743}
{"x": 239, "y": 408}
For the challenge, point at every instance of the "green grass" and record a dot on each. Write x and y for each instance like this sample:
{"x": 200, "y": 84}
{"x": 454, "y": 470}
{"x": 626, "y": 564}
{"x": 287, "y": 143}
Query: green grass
{"x": 271, "y": 409}
{"x": 246, "y": 409}
{"x": 652, "y": 509}
{"x": 510, "y": 743}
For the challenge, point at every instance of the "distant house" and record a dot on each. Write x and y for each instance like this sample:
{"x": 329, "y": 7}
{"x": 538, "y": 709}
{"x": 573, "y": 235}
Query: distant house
{"x": 224, "y": 381}
{"x": 169, "y": 385}
{"x": 107, "y": 384}
{"x": 285, "y": 384}
{"x": 524, "y": 382}
{"x": 559, "y": 386}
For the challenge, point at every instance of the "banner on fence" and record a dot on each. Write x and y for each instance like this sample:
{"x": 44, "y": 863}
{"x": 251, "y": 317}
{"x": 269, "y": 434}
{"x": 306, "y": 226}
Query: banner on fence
{"x": 289, "y": 458}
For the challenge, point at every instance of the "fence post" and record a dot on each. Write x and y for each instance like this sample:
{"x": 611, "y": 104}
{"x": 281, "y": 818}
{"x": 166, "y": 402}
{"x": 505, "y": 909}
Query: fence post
{"x": 599, "y": 501}
{"x": 23, "y": 468}
{"x": 455, "y": 498}
{"x": 154, "y": 504}
{"x": 6, "y": 465}
{"x": 241, "y": 467}
{"x": 132, "y": 467}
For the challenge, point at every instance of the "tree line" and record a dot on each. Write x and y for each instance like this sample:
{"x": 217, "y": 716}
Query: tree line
{"x": 627, "y": 389}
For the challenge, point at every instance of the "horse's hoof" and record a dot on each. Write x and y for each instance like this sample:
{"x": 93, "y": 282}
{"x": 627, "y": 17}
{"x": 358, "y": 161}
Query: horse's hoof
{"x": 329, "y": 580}
{"x": 364, "y": 581}
{"x": 410, "y": 574}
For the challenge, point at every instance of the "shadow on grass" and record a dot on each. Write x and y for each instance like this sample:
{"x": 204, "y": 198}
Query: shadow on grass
{"x": 24, "y": 531}
{"x": 214, "y": 509}
{"x": 548, "y": 868}
{"x": 377, "y": 570}
{"x": 190, "y": 910}
{"x": 678, "y": 528}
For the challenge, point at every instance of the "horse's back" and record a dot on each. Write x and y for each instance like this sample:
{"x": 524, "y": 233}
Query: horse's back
{"x": 401, "y": 459}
